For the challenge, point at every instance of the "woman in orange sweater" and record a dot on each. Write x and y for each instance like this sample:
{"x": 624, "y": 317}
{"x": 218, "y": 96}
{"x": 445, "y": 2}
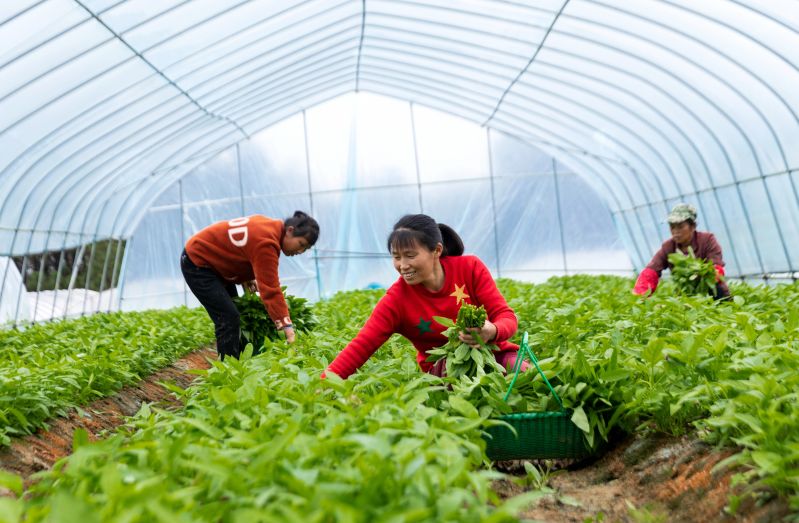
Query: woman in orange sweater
{"x": 244, "y": 251}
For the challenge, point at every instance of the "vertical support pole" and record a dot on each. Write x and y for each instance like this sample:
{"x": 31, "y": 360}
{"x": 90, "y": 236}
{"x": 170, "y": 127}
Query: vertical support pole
{"x": 560, "y": 216}
{"x": 241, "y": 183}
{"x": 23, "y": 288}
{"x": 310, "y": 198}
{"x": 87, "y": 283}
{"x": 114, "y": 273}
{"x": 76, "y": 263}
{"x": 58, "y": 278}
{"x": 109, "y": 243}
{"x": 183, "y": 237}
{"x": 493, "y": 199}
{"x": 416, "y": 159}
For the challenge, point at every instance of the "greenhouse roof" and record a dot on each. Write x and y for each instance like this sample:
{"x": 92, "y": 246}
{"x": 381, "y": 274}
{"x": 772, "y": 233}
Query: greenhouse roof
{"x": 104, "y": 104}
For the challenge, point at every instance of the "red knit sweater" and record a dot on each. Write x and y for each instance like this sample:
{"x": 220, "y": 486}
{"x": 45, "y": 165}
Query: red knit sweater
{"x": 241, "y": 250}
{"x": 409, "y": 310}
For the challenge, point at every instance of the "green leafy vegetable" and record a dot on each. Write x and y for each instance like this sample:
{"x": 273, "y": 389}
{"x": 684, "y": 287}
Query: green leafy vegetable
{"x": 256, "y": 326}
{"x": 692, "y": 275}
{"x": 463, "y": 359}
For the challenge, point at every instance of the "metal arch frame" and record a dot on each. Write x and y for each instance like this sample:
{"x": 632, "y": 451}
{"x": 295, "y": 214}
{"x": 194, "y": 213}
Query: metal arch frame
{"x": 252, "y": 88}
{"x": 135, "y": 54}
{"x": 337, "y": 78}
{"x": 75, "y": 153}
{"x": 76, "y": 171}
{"x": 146, "y": 21}
{"x": 158, "y": 71}
{"x": 752, "y": 106}
{"x": 710, "y": 102}
{"x": 423, "y": 85}
{"x": 22, "y": 12}
{"x": 681, "y": 81}
{"x": 78, "y": 181}
{"x": 360, "y": 49}
{"x": 687, "y": 110}
{"x": 82, "y": 114}
{"x": 767, "y": 193}
{"x": 134, "y": 222}
{"x": 252, "y": 44}
{"x": 608, "y": 191}
{"x": 524, "y": 135}
{"x": 30, "y": 238}
{"x": 235, "y": 33}
{"x": 253, "y": 65}
{"x": 614, "y": 175}
{"x": 44, "y": 42}
{"x": 669, "y": 74}
{"x": 109, "y": 98}
{"x": 109, "y": 179}
{"x": 291, "y": 79}
{"x": 566, "y": 126}
{"x": 135, "y": 26}
{"x": 529, "y": 63}
{"x": 677, "y": 150}
{"x": 656, "y": 44}
{"x": 137, "y": 84}
{"x": 484, "y": 94}
{"x": 63, "y": 247}
{"x": 554, "y": 66}
{"x": 147, "y": 78}
{"x": 590, "y": 180}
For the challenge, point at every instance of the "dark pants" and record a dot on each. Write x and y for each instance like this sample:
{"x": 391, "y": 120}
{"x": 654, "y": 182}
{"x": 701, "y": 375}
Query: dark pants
{"x": 216, "y": 295}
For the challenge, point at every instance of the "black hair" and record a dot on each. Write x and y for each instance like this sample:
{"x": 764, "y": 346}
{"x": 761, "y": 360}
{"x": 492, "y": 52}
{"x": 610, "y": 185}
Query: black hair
{"x": 304, "y": 227}
{"x": 413, "y": 228}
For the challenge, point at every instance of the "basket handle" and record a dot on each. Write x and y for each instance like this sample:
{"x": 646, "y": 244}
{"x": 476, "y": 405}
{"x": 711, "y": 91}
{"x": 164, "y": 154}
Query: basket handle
{"x": 525, "y": 350}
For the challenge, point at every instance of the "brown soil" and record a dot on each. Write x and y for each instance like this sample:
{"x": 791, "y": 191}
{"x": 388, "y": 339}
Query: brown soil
{"x": 652, "y": 478}
{"x": 40, "y": 451}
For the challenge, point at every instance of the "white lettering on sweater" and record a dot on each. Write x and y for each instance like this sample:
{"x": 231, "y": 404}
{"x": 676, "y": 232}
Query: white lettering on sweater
{"x": 238, "y": 227}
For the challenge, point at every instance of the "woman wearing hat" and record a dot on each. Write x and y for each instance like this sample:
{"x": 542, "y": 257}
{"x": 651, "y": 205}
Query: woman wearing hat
{"x": 682, "y": 222}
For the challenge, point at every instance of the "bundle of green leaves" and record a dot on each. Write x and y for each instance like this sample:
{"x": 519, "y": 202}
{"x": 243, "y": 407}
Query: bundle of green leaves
{"x": 463, "y": 359}
{"x": 692, "y": 275}
{"x": 256, "y": 326}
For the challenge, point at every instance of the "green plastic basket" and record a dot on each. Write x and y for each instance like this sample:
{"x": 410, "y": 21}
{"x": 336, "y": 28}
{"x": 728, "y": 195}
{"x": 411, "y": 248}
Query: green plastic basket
{"x": 538, "y": 435}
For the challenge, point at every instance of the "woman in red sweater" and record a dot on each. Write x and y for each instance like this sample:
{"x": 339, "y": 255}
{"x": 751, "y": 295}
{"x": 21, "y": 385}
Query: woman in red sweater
{"x": 435, "y": 279}
{"x": 244, "y": 251}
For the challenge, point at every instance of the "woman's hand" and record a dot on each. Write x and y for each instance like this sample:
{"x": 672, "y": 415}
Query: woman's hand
{"x": 250, "y": 286}
{"x": 487, "y": 332}
{"x": 290, "y": 336}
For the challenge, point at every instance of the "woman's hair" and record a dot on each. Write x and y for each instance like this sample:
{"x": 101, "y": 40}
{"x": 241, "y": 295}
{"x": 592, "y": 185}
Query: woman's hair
{"x": 304, "y": 227}
{"x": 413, "y": 228}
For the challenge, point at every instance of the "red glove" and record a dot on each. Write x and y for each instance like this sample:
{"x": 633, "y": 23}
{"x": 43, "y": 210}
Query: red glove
{"x": 647, "y": 282}
{"x": 719, "y": 272}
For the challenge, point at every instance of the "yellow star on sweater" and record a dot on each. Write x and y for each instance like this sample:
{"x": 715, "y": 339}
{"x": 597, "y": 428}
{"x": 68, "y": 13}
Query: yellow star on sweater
{"x": 460, "y": 293}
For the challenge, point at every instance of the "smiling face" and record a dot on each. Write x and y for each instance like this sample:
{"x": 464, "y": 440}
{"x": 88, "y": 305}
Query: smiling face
{"x": 682, "y": 232}
{"x": 418, "y": 264}
{"x": 293, "y": 245}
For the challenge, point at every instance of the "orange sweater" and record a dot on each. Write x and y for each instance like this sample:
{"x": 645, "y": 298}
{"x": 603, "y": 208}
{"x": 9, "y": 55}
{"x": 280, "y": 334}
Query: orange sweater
{"x": 241, "y": 250}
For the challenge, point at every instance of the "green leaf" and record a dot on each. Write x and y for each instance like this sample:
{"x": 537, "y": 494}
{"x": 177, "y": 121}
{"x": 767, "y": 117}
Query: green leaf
{"x": 580, "y": 419}
{"x": 463, "y": 407}
{"x": 446, "y": 322}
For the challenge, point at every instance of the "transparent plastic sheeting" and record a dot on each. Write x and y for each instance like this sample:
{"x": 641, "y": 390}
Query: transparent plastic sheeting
{"x": 369, "y": 160}
{"x": 104, "y": 104}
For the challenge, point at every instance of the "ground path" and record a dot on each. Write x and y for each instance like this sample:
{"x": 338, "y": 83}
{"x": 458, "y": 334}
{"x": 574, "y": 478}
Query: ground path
{"x": 39, "y": 451}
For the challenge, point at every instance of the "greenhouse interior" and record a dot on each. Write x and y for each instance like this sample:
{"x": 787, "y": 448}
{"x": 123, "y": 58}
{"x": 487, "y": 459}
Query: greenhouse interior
{"x": 567, "y": 143}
